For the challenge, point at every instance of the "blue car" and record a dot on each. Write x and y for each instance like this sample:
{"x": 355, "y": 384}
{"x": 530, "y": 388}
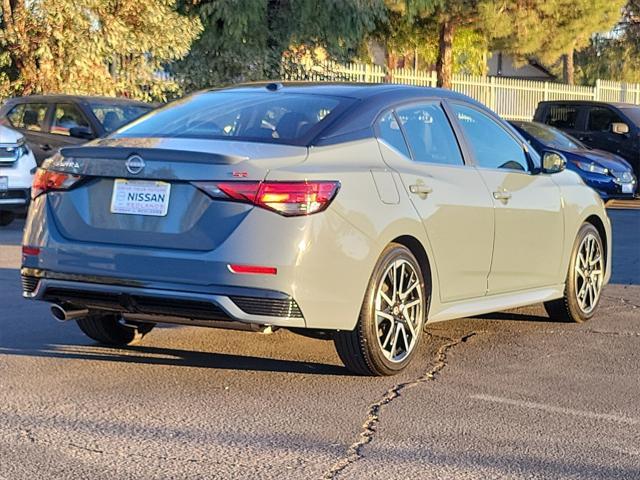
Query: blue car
{"x": 607, "y": 173}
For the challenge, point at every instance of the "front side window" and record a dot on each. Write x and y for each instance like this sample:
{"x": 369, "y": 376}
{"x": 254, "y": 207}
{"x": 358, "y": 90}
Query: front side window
{"x": 29, "y": 116}
{"x": 601, "y": 118}
{"x": 562, "y": 116}
{"x": 272, "y": 117}
{"x": 389, "y": 132}
{"x": 491, "y": 144}
{"x": 429, "y": 134}
{"x": 67, "y": 116}
{"x": 113, "y": 117}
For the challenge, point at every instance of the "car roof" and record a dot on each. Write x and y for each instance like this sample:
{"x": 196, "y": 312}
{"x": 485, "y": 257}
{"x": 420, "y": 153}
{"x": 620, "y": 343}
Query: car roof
{"x": 589, "y": 102}
{"x": 76, "y": 98}
{"x": 371, "y": 99}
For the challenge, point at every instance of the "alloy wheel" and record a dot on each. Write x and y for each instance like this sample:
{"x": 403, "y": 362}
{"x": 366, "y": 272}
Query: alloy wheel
{"x": 398, "y": 310}
{"x": 589, "y": 273}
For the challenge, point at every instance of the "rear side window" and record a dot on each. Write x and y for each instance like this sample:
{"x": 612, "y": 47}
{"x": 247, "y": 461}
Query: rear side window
{"x": 389, "y": 132}
{"x": 562, "y": 116}
{"x": 66, "y": 117}
{"x": 272, "y": 117}
{"x": 601, "y": 118}
{"x": 429, "y": 134}
{"x": 492, "y": 145}
{"x": 29, "y": 116}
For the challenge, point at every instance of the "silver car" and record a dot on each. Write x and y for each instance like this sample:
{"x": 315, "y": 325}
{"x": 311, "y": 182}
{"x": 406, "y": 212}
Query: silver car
{"x": 349, "y": 212}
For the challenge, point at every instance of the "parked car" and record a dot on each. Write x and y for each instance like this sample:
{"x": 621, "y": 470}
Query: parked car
{"x": 50, "y": 122}
{"x": 609, "y": 174}
{"x": 17, "y": 166}
{"x": 612, "y": 127}
{"x": 350, "y": 212}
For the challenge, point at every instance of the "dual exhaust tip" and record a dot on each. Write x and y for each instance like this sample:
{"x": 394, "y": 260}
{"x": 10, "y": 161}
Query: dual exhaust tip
{"x": 62, "y": 313}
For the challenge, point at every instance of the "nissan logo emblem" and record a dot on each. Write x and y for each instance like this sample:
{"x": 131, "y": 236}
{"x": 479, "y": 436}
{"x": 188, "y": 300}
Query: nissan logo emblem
{"x": 135, "y": 164}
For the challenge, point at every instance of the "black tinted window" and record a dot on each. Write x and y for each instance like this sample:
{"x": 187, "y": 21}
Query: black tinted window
{"x": 390, "y": 133}
{"x": 562, "y": 116}
{"x": 273, "y": 117}
{"x": 492, "y": 145}
{"x": 429, "y": 134}
{"x": 601, "y": 118}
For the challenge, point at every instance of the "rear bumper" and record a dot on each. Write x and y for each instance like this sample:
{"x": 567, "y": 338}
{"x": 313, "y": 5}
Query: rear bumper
{"x": 223, "y": 304}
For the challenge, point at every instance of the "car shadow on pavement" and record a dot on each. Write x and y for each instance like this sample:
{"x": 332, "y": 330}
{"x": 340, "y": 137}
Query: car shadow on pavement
{"x": 144, "y": 355}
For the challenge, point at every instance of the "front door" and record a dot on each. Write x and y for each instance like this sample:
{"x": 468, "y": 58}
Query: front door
{"x": 449, "y": 196}
{"x": 529, "y": 221}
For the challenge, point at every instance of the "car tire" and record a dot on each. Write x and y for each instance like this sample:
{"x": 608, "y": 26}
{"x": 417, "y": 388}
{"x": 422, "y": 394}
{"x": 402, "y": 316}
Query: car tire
{"x": 108, "y": 329}
{"x": 585, "y": 278}
{"x": 391, "y": 321}
{"x": 6, "y": 218}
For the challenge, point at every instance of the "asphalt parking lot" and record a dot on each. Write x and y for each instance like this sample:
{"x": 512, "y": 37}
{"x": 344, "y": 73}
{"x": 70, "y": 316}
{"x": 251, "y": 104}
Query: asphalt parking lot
{"x": 506, "y": 395}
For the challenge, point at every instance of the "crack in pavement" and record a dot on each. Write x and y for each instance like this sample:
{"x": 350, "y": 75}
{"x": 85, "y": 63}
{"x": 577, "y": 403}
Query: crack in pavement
{"x": 369, "y": 427}
{"x": 614, "y": 334}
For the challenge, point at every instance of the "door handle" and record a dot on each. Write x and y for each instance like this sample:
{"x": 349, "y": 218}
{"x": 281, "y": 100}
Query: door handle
{"x": 46, "y": 147}
{"x": 420, "y": 189}
{"x": 502, "y": 195}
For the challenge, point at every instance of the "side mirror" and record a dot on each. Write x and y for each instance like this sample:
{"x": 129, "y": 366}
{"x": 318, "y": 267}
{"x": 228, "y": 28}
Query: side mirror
{"x": 81, "y": 132}
{"x": 553, "y": 162}
{"x": 620, "y": 128}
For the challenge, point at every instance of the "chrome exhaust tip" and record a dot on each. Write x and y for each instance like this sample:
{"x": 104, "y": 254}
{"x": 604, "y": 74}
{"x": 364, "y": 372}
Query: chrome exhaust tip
{"x": 63, "y": 314}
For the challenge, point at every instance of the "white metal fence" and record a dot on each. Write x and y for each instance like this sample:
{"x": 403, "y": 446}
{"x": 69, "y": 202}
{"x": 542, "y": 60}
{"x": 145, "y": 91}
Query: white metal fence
{"x": 512, "y": 98}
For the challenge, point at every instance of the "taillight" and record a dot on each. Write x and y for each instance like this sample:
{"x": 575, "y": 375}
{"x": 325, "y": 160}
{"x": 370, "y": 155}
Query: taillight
{"x": 47, "y": 180}
{"x": 286, "y": 198}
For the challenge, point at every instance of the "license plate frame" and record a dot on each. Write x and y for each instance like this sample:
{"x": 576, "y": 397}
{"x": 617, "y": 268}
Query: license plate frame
{"x": 4, "y": 184}
{"x": 149, "y": 198}
{"x": 627, "y": 188}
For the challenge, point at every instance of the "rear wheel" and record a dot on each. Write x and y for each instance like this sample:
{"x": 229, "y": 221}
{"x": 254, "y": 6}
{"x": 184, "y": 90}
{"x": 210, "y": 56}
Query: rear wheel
{"x": 391, "y": 320}
{"x": 109, "y": 329}
{"x": 6, "y": 218}
{"x": 585, "y": 279}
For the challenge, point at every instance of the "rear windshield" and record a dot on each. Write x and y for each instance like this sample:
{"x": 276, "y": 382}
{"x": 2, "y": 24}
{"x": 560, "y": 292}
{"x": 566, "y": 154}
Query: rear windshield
{"x": 272, "y": 117}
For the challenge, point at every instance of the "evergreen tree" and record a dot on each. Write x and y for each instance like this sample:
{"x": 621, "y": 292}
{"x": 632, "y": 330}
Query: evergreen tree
{"x": 246, "y": 40}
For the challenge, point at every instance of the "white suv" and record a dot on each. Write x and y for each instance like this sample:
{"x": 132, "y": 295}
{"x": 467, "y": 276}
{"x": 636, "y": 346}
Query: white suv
{"x": 17, "y": 166}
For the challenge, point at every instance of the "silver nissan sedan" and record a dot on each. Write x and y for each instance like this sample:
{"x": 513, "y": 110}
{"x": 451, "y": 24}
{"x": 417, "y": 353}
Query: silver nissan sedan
{"x": 355, "y": 213}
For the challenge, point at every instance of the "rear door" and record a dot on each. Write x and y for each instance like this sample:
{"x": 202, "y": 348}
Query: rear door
{"x": 449, "y": 196}
{"x": 31, "y": 119}
{"x": 529, "y": 220}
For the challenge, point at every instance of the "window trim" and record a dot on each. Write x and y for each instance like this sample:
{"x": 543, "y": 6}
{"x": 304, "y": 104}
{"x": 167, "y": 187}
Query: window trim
{"x": 532, "y": 169}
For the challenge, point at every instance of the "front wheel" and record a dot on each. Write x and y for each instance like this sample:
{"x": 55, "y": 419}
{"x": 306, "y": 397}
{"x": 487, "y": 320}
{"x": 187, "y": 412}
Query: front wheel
{"x": 109, "y": 329}
{"x": 391, "y": 320}
{"x": 585, "y": 279}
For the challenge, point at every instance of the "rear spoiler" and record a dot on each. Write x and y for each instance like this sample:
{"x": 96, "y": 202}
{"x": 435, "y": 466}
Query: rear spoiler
{"x": 152, "y": 154}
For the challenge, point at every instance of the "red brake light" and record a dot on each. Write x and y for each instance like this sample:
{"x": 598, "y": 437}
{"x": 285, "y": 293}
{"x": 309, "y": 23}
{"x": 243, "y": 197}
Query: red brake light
{"x": 30, "y": 251}
{"x": 46, "y": 180}
{"x": 286, "y": 198}
{"x": 255, "y": 269}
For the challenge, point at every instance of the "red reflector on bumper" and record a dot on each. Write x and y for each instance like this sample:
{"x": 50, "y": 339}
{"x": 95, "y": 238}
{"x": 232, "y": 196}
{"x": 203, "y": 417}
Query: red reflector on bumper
{"x": 254, "y": 269}
{"x": 31, "y": 251}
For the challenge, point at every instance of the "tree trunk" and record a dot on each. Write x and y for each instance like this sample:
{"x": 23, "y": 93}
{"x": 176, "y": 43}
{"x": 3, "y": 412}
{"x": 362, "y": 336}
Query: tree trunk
{"x": 444, "y": 63}
{"x": 568, "y": 70}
